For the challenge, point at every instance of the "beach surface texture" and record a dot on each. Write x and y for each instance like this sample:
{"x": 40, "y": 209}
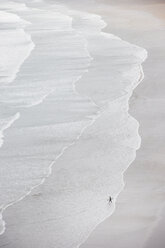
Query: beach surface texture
{"x": 69, "y": 124}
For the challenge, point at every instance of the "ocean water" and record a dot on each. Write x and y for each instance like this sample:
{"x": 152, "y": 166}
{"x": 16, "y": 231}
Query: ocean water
{"x": 66, "y": 134}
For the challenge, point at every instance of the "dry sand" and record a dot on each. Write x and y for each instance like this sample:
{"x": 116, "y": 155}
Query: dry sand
{"x": 138, "y": 220}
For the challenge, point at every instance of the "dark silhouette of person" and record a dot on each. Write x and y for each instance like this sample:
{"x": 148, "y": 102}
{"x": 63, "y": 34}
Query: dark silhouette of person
{"x": 110, "y": 199}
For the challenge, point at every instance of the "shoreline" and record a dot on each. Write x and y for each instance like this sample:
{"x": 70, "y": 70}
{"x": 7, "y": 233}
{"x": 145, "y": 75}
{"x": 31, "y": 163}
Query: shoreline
{"x": 132, "y": 146}
{"x": 130, "y": 218}
{"x": 115, "y": 200}
{"x": 108, "y": 232}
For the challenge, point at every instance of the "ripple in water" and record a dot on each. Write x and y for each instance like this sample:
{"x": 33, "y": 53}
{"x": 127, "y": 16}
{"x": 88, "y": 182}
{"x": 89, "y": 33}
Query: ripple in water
{"x": 73, "y": 89}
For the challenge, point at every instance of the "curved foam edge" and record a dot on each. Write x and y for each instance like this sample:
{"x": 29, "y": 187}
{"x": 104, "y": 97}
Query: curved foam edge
{"x": 6, "y": 123}
{"x": 138, "y": 81}
{"x": 88, "y": 121}
{"x": 112, "y": 210}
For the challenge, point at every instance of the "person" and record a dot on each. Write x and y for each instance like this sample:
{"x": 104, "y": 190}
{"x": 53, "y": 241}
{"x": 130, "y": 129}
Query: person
{"x": 110, "y": 199}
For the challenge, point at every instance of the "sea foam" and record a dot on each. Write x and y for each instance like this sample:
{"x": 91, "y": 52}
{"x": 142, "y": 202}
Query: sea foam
{"x": 88, "y": 77}
{"x": 52, "y": 113}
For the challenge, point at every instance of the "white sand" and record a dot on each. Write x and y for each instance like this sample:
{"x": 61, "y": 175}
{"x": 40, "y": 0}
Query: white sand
{"x": 138, "y": 220}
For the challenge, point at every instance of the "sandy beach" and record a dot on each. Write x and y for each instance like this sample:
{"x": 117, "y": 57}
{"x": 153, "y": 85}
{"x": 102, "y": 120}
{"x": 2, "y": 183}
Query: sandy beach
{"x": 75, "y": 136}
{"x": 138, "y": 220}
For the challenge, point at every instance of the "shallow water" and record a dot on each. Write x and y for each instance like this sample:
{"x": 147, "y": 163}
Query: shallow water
{"x": 71, "y": 87}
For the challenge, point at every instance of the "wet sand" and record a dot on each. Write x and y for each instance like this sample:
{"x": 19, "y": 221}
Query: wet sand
{"x": 138, "y": 216}
{"x": 138, "y": 220}
{"x": 58, "y": 212}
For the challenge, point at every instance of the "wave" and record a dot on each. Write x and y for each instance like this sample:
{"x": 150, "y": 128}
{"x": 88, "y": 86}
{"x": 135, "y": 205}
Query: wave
{"x": 91, "y": 76}
{"x": 15, "y": 47}
{"x": 45, "y": 95}
{"x": 6, "y": 123}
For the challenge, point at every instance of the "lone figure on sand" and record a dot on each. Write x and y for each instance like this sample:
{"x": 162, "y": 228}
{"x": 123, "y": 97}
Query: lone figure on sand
{"x": 110, "y": 199}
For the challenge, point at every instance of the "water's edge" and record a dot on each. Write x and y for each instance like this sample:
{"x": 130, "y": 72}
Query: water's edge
{"x": 89, "y": 123}
{"x": 125, "y": 171}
